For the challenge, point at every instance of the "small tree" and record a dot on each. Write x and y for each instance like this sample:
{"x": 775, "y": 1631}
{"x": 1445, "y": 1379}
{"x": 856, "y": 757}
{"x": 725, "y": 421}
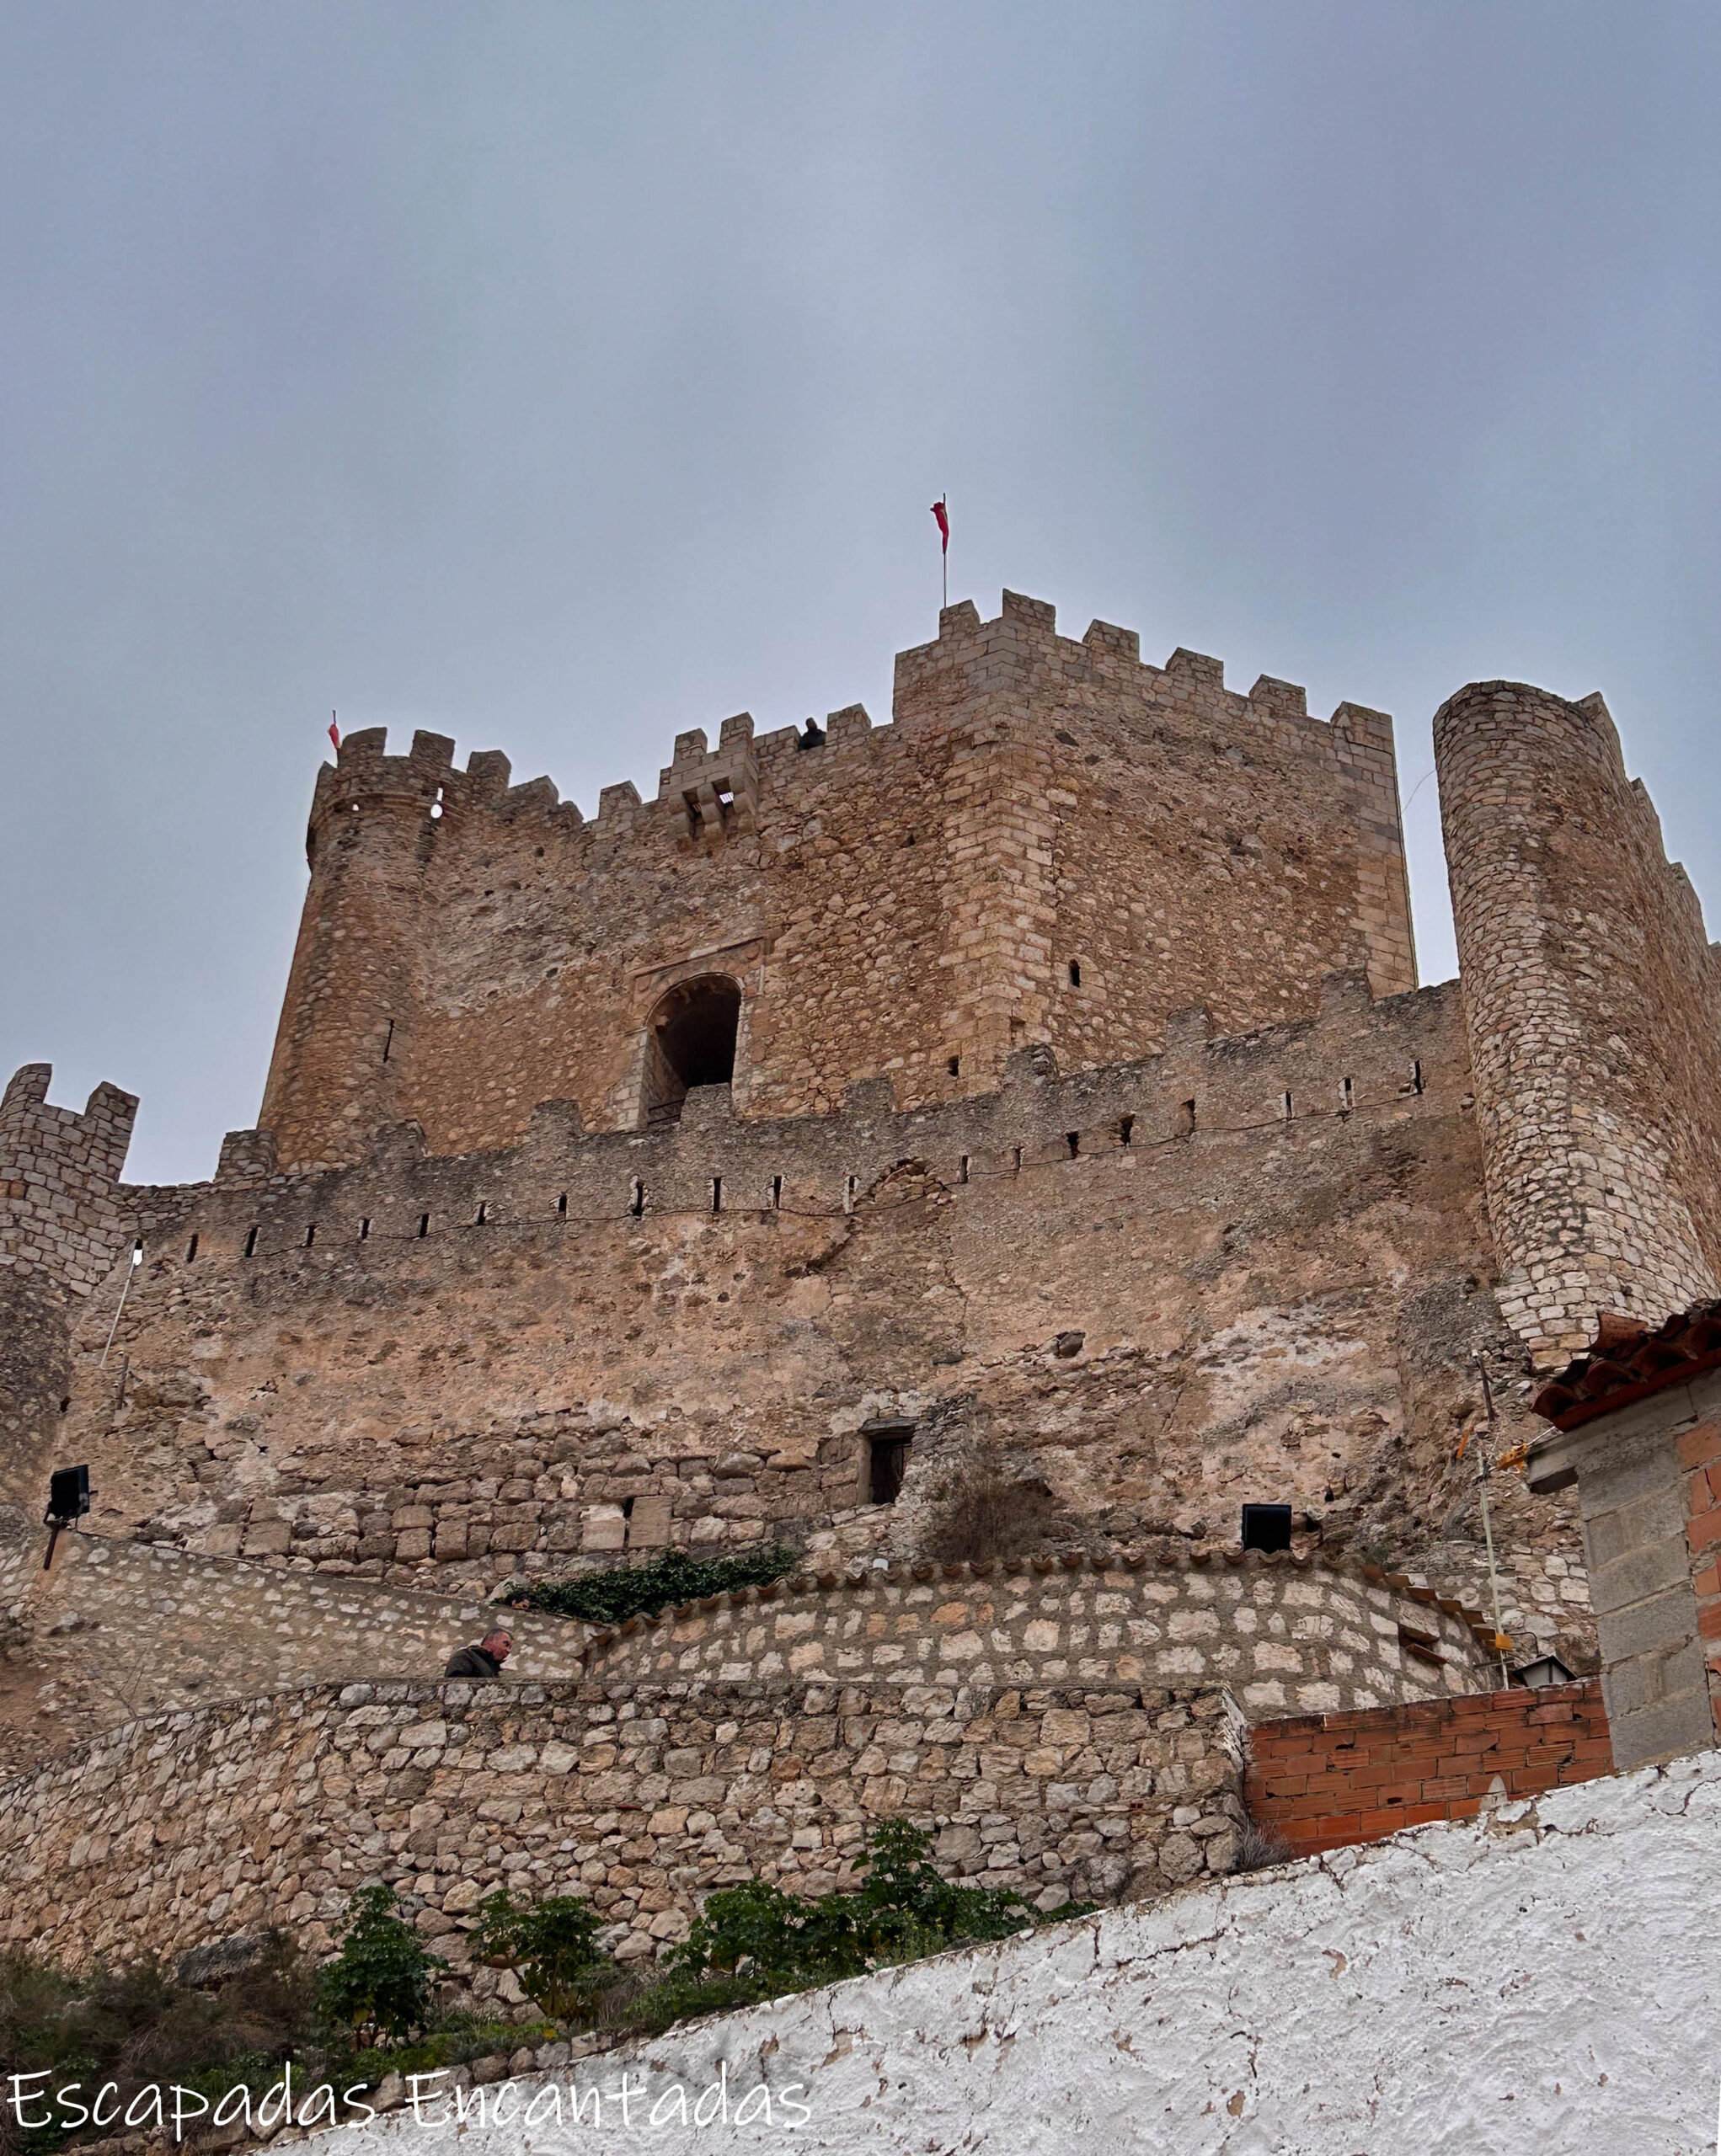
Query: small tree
{"x": 379, "y": 1984}
{"x": 551, "y": 1945}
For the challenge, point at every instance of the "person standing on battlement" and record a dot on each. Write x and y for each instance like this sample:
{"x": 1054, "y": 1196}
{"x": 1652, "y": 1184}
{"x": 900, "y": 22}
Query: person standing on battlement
{"x": 484, "y": 1660}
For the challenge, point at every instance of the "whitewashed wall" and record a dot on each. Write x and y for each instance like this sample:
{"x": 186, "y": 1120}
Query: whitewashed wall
{"x": 1547, "y": 1983}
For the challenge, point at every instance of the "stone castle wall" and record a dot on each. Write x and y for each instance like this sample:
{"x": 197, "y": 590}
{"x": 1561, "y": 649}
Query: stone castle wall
{"x": 1594, "y": 1005}
{"x": 1281, "y": 1635}
{"x": 182, "y": 1830}
{"x": 1054, "y": 843}
{"x": 1149, "y": 1322}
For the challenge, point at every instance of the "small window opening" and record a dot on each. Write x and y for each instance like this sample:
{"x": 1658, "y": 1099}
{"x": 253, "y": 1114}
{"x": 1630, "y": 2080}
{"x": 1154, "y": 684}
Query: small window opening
{"x": 636, "y": 1200}
{"x": 887, "y": 1464}
{"x": 65, "y": 1404}
{"x": 690, "y": 1041}
{"x": 627, "y": 1508}
{"x": 848, "y": 1195}
{"x": 1075, "y": 973}
{"x": 955, "y": 1066}
{"x": 191, "y": 1249}
{"x": 1126, "y": 1129}
{"x": 1284, "y": 1106}
{"x": 1072, "y": 1138}
{"x": 484, "y": 1213}
{"x": 388, "y": 1040}
{"x": 423, "y": 1225}
{"x": 1347, "y": 1095}
{"x": 1416, "y": 1077}
{"x": 1189, "y": 1118}
{"x": 562, "y": 1206}
{"x": 962, "y": 1172}
{"x": 251, "y": 1244}
{"x": 1018, "y": 1160}
{"x": 717, "y": 1194}
{"x": 310, "y": 1235}
{"x": 365, "y": 1229}
{"x": 776, "y": 1193}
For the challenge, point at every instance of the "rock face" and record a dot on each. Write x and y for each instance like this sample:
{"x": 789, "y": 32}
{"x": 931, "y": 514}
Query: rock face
{"x": 1012, "y": 1132}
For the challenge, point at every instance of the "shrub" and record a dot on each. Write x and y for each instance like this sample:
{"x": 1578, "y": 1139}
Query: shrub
{"x": 755, "y": 1941}
{"x": 983, "y": 1515}
{"x": 642, "y": 1590}
{"x": 379, "y": 1984}
{"x": 551, "y": 1945}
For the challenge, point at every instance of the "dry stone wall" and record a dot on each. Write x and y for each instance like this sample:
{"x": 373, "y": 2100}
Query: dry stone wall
{"x": 1283, "y": 1636}
{"x": 185, "y": 1829}
{"x": 119, "y": 1629}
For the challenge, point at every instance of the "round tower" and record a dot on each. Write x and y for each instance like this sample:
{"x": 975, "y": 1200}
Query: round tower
{"x": 1591, "y": 999}
{"x": 347, "y": 1022}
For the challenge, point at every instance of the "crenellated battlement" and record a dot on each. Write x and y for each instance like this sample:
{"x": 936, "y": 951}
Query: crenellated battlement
{"x": 1052, "y": 842}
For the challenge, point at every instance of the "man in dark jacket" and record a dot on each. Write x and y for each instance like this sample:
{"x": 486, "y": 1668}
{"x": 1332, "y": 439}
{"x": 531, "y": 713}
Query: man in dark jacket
{"x": 484, "y": 1660}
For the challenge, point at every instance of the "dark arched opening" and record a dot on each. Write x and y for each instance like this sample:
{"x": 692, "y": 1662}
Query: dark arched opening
{"x": 690, "y": 1040}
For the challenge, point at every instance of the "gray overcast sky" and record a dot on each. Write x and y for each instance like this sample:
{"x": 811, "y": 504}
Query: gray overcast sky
{"x": 561, "y": 376}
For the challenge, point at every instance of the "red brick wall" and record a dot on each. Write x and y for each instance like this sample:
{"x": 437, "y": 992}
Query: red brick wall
{"x": 1700, "y": 1455}
{"x": 1324, "y": 1781}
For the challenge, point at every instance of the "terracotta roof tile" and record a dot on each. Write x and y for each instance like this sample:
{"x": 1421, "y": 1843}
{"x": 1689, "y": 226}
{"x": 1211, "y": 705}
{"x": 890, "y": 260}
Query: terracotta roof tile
{"x": 1628, "y": 1361}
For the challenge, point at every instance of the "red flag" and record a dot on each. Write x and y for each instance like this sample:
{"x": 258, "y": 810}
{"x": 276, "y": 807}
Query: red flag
{"x": 943, "y": 520}
{"x": 334, "y": 732}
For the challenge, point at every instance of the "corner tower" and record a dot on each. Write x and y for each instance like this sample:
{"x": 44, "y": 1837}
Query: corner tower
{"x": 1593, "y": 1002}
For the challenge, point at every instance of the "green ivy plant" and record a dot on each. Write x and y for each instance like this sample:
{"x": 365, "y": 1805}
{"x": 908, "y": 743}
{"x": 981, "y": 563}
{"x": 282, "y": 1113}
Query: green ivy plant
{"x": 642, "y": 1590}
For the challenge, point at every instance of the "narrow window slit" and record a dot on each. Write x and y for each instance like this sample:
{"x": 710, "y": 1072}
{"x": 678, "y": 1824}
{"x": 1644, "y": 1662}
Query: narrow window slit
{"x": 955, "y": 1066}
{"x": 1284, "y": 1106}
{"x": 777, "y": 1193}
{"x": 191, "y": 1249}
{"x": 717, "y": 1194}
{"x": 365, "y": 1229}
{"x": 484, "y": 1213}
{"x": 1127, "y": 1130}
{"x": 424, "y": 1225}
{"x": 1347, "y": 1095}
{"x": 848, "y": 1195}
{"x": 1189, "y": 1118}
{"x": 388, "y": 1040}
{"x": 962, "y": 1172}
{"x": 251, "y": 1244}
{"x": 310, "y": 1235}
{"x": 1416, "y": 1077}
{"x": 1072, "y": 1138}
{"x": 1075, "y": 973}
{"x": 562, "y": 1206}
{"x": 636, "y": 1201}
{"x": 1018, "y": 1160}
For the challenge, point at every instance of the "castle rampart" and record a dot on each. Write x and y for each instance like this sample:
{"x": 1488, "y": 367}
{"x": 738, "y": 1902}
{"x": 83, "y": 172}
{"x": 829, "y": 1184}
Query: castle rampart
{"x": 1593, "y": 1006}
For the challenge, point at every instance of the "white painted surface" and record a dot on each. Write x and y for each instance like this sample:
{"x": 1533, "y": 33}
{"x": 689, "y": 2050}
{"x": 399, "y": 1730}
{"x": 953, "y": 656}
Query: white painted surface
{"x": 1545, "y": 1984}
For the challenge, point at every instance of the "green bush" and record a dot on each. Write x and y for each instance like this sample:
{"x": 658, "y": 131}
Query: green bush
{"x": 755, "y": 1941}
{"x": 379, "y": 1984}
{"x": 551, "y": 1945}
{"x": 642, "y": 1590}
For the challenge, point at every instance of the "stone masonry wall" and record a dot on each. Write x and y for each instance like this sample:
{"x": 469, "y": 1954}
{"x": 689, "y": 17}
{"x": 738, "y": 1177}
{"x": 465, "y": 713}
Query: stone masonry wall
{"x": 891, "y": 902}
{"x": 188, "y": 1828}
{"x": 115, "y": 1629}
{"x": 1061, "y": 1281}
{"x": 1330, "y": 1781}
{"x": 1594, "y": 1005}
{"x": 1278, "y": 1633}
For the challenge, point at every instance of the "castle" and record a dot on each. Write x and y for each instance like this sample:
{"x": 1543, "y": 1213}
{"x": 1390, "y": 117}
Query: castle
{"x": 983, "y": 1151}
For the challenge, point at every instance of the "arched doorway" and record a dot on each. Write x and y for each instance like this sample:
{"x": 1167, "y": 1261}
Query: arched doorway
{"x": 690, "y": 1040}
